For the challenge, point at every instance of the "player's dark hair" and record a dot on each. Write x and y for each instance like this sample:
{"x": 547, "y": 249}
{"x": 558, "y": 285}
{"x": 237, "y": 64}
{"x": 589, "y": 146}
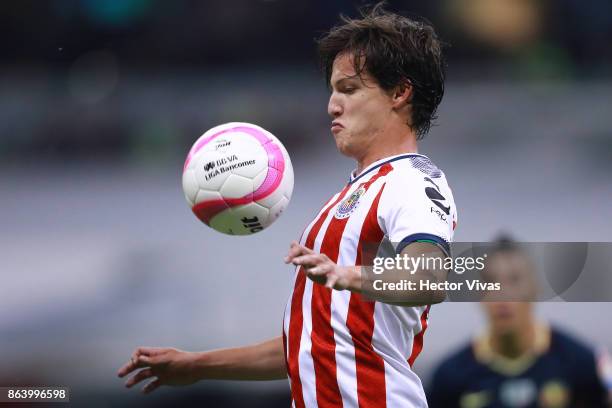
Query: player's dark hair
{"x": 504, "y": 243}
{"x": 393, "y": 49}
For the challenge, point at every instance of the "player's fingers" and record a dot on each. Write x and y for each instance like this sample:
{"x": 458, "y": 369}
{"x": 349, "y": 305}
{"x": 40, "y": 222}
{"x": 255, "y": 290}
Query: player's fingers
{"x": 296, "y": 249}
{"x": 320, "y": 269}
{"x": 305, "y": 250}
{"x": 138, "y": 377}
{"x": 316, "y": 271}
{"x": 152, "y": 386}
{"x": 304, "y": 260}
{"x": 293, "y": 252}
{"x": 310, "y": 259}
{"x": 148, "y": 351}
{"x": 125, "y": 369}
{"x": 138, "y": 359}
{"x": 331, "y": 281}
{"x": 289, "y": 257}
{"x": 144, "y": 361}
{"x": 129, "y": 366}
{"x": 133, "y": 364}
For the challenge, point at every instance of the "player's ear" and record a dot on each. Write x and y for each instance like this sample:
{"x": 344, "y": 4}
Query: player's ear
{"x": 402, "y": 94}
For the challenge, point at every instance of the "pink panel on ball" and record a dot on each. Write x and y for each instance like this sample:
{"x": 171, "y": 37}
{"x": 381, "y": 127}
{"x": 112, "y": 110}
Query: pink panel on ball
{"x": 206, "y": 210}
{"x": 198, "y": 146}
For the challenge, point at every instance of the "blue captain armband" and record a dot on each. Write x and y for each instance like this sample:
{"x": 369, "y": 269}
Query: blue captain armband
{"x": 430, "y": 238}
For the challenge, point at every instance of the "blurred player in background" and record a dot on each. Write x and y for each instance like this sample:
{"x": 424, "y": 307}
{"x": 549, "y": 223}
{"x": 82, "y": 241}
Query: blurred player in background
{"x": 519, "y": 362}
{"x": 386, "y": 75}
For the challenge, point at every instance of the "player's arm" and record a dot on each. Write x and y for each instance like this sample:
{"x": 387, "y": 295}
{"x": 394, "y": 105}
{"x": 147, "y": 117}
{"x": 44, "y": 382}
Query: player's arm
{"x": 322, "y": 270}
{"x": 426, "y": 280}
{"x": 169, "y": 366}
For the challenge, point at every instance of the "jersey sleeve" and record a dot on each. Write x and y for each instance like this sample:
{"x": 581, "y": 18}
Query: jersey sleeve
{"x": 585, "y": 377}
{"x": 415, "y": 207}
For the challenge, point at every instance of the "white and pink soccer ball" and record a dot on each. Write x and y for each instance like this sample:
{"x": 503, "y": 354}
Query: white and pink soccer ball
{"x": 238, "y": 178}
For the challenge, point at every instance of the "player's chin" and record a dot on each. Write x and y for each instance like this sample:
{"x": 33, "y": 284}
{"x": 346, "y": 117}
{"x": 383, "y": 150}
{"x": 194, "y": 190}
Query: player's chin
{"x": 343, "y": 145}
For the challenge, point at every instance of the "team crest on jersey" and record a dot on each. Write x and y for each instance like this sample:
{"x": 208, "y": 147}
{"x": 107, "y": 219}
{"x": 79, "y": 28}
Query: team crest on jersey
{"x": 348, "y": 206}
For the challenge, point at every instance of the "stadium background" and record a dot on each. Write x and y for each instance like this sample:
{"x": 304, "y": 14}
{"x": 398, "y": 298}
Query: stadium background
{"x": 101, "y": 99}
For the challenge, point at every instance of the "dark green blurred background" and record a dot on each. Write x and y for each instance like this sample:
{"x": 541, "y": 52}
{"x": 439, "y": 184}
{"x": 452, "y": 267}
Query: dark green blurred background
{"x": 101, "y": 99}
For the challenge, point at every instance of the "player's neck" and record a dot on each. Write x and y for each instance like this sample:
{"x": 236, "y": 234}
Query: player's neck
{"x": 516, "y": 343}
{"x": 388, "y": 146}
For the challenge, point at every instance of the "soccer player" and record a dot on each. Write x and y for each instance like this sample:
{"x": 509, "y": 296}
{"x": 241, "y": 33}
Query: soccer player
{"x": 519, "y": 362}
{"x": 339, "y": 349}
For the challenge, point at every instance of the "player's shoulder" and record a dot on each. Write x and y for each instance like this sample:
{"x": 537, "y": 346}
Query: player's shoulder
{"x": 586, "y": 365}
{"x": 569, "y": 345}
{"x": 414, "y": 167}
{"x": 416, "y": 199}
{"x": 412, "y": 172}
{"x": 420, "y": 177}
{"x": 462, "y": 357}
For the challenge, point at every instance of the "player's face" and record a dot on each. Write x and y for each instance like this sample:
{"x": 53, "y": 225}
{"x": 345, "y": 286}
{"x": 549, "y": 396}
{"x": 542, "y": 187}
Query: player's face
{"x": 514, "y": 273}
{"x": 508, "y": 317}
{"x": 359, "y": 108}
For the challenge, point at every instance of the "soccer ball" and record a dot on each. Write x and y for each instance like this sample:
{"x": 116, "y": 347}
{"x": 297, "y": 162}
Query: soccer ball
{"x": 238, "y": 178}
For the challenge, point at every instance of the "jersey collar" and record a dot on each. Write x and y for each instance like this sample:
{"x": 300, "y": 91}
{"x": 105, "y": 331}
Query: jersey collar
{"x": 483, "y": 353}
{"x": 354, "y": 176}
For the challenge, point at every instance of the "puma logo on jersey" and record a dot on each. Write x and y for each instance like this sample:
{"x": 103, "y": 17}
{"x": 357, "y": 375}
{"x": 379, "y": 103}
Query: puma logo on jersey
{"x": 435, "y": 196}
{"x": 438, "y": 213}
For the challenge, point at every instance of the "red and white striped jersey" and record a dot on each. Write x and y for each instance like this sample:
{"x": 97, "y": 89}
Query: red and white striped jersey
{"x": 342, "y": 350}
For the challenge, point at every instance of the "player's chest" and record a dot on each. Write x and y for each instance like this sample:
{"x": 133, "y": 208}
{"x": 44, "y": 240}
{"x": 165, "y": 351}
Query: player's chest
{"x": 542, "y": 386}
{"x": 347, "y": 216}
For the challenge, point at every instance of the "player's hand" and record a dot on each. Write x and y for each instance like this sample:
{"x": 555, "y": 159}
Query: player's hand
{"x": 320, "y": 269}
{"x": 168, "y": 366}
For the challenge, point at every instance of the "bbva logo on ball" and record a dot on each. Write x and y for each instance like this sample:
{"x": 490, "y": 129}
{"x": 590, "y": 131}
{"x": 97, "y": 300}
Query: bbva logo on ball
{"x": 238, "y": 178}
